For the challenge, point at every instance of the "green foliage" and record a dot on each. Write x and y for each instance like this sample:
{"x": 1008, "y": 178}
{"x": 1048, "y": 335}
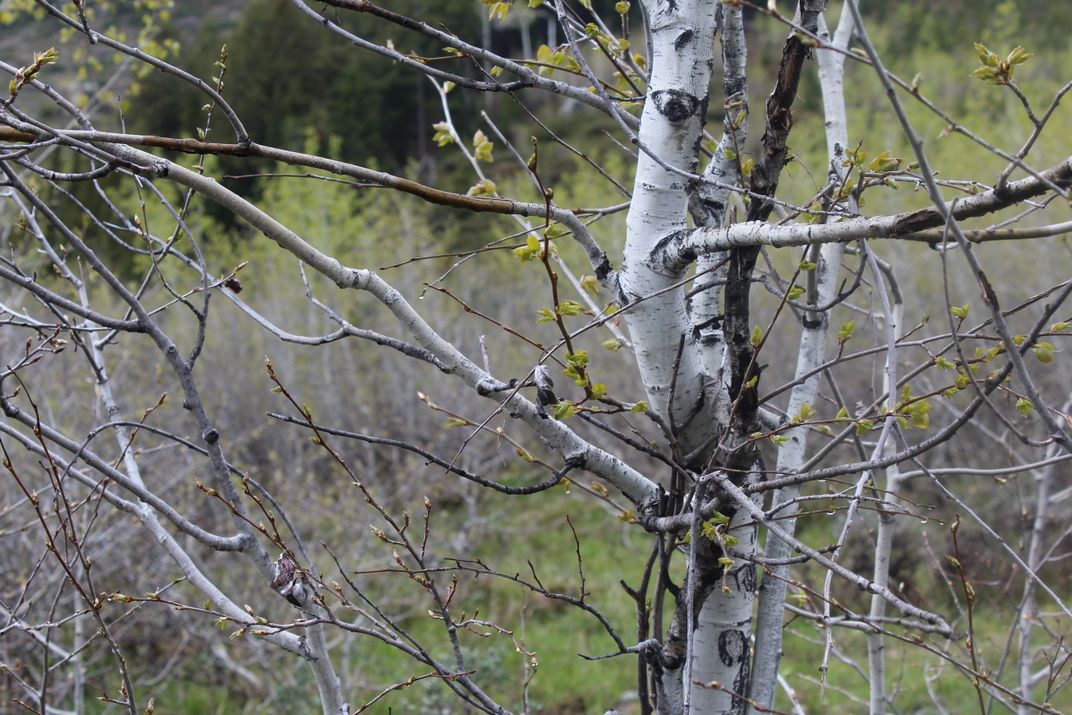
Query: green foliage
{"x": 24, "y": 75}
{"x": 805, "y": 413}
{"x": 482, "y": 147}
{"x": 309, "y": 78}
{"x": 563, "y": 410}
{"x": 996, "y": 70}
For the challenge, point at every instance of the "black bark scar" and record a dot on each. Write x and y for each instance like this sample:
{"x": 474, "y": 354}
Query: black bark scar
{"x": 675, "y": 105}
{"x": 604, "y": 269}
{"x": 732, "y": 647}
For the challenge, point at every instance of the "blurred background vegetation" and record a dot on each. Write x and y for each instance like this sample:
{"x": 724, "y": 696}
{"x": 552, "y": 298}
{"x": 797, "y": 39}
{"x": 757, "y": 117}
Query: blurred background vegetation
{"x": 297, "y": 86}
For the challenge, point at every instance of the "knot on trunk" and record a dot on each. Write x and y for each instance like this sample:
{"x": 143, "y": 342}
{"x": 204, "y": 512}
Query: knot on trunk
{"x": 675, "y": 105}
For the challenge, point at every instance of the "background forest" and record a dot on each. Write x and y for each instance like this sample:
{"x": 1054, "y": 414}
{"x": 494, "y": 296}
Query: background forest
{"x": 298, "y": 87}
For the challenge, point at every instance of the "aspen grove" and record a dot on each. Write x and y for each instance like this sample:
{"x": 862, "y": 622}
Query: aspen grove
{"x": 814, "y": 400}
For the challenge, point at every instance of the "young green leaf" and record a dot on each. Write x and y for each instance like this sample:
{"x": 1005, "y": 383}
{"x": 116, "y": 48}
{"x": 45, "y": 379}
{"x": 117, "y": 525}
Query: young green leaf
{"x": 1024, "y": 407}
{"x": 844, "y": 333}
{"x": 570, "y": 308}
{"x": 484, "y": 187}
{"x": 563, "y": 410}
{"x": 482, "y": 147}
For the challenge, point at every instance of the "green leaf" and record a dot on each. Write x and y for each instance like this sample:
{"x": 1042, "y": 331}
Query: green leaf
{"x": 842, "y": 415}
{"x": 1043, "y": 352}
{"x": 1024, "y": 406}
{"x": 482, "y": 147}
{"x": 884, "y": 162}
{"x": 845, "y": 332}
{"x": 854, "y": 157}
{"x": 919, "y": 414}
{"x": 590, "y": 284}
{"x": 563, "y": 410}
{"x": 960, "y": 312}
{"x": 497, "y": 10}
{"x": 988, "y": 75}
{"x": 579, "y": 358}
{"x": 779, "y": 439}
{"x": 1018, "y": 56}
{"x": 546, "y": 316}
{"x": 611, "y": 344}
{"x": 805, "y": 413}
{"x": 794, "y": 293}
{"x": 622, "y": 7}
{"x": 484, "y": 187}
{"x": 757, "y": 336}
{"x": 864, "y": 426}
{"x": 532, "y": 249}
{"x": 988, "y": 58}
{"x": 944, "y": 364}
{"x": 570, "y": 308}
{"x": 599, "y": 390}
{"x": 639, "y": 407}
{"x": 806, "y": 266}
{"x": 443, "y": 135}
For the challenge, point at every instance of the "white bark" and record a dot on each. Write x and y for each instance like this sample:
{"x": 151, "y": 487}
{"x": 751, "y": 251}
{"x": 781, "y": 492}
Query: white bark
{"x": 891, "y": 502}
{"x": 1029, "y": 612}
{"x": 721, "y": 643}
{"x": 682, "y": 35}
{"x": 709, "y": 206}
{"x": 811, "y": 354}
{"x": 705, "y": 664}
{"x": 682, "y": 248}
{"x": 723, "y": 638}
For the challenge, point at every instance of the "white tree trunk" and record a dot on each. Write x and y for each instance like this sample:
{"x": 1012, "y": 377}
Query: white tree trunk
{"x": 812, "y": 353}
{"x": 722, "y": 643}
{"x": 682, "y": 36}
